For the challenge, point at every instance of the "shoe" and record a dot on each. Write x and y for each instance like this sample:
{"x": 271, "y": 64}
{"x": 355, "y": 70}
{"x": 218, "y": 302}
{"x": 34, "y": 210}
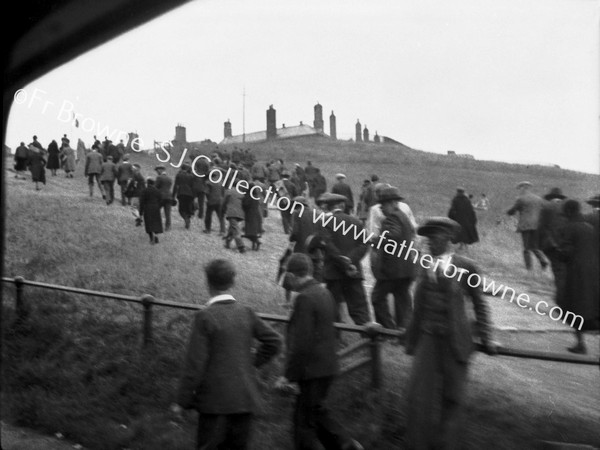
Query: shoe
{"x": 242, "y": 249}
{"x": 156, "y": 239}
{"x": 206, "y": 231}
{"x": 578, "y": 349}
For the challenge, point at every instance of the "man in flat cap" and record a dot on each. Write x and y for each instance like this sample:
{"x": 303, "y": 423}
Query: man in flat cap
{"x": 440, "y": 339}
{"x": 393, "y": 275}
{"x": 164, "y": 183}
{"x": 529, "y": 206}
{"x": 313, "y": 362}
{"x": 342, "y": 270}
{"x": 342, "y": 188}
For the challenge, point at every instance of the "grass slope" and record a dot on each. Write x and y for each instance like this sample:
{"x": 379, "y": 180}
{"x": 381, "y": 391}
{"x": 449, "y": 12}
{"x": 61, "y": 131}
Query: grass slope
{"x": 77, "y": 367}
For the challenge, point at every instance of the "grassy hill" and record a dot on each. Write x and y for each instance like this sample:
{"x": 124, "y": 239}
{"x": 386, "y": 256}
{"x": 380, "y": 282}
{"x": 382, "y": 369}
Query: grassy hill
{"x": 76, "y": 367}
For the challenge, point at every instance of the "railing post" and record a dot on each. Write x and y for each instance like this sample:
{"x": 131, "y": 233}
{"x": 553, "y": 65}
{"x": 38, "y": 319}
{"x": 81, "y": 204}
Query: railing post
{"x": 375, "y": 349}
{"x": 147, "y": 302}
{"x": 20, "y": 305}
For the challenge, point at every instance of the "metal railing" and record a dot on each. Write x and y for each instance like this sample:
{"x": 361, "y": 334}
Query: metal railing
{"x": 373, "y": 332}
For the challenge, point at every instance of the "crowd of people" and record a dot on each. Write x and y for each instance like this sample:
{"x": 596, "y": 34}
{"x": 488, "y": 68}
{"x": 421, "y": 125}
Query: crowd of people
{"x": 324, "y": 265}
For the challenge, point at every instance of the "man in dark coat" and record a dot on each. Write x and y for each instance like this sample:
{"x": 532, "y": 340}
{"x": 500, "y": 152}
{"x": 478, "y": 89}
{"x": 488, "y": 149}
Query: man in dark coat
{"x": 461, "y": 211}
{"x": 342, "y": 270}
{"x": 286, "y": 189}
{"x": 393, "y": 275}
{"x": 124, "y": 174}
{"x": 253, "y": 223}
{"x": 319, "y": 185}
{"x": 183, "y": 190}
{"x": 93, "y": 168}
{"x": 342, "y": 188}
{"x": 164, "y": 184}
{"x": 219, "y": 375}
{"x": 550, "y": 226}
{"x": 214, "y": 200}
{"x": 108, "y": 175}
{"x": 136, "y": 186}
{"x": 441, "y": 341}
{"x": 581, "y": 291}
{"x": 21, "y": 157}
{"x": 312, "y": 361}
{"x": 529, "y": 206}
{"x": 37, "y": 165}
{"x": 150, "y": 201}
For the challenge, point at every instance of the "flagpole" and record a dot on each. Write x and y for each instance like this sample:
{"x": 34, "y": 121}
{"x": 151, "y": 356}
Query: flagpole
{"x": 244, "y": 115}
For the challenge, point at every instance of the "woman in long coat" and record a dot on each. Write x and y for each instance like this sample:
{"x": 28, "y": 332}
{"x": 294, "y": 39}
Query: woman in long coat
{"x": 462, "y": 212}
{"x": 37, "y": 166}
{"x": 53, "y": 155}
{"x": 252, "y": 219}
{"x": 68, "y": 159}
{"x": 150, "y": 201}
{"x": 580, "y": 294}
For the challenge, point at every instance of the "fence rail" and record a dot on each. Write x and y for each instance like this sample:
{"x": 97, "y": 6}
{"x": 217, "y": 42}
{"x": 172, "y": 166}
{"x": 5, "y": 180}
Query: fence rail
{"x": 373, "y": 332}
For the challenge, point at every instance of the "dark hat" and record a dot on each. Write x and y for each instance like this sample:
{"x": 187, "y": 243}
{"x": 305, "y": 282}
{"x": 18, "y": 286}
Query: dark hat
{"x": 329, "y": 198}
{"x": 554, "y": 193}
{"x": 299, "y": 264}
{"x": 389, "y": 193}
{"x": 594, "y": 201}
{"x": 285, "y": 174}
{"x": 438, "y": 223}
{"x": 374, "y": 178}
{"x": 157, "y": 168}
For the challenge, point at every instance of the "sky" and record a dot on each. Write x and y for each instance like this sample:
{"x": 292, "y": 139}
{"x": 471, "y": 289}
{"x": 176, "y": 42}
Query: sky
{"x": 510, "y": 80}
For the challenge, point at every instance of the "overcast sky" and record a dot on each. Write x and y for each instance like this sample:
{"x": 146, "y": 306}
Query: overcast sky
{"x": 510, "y": 80}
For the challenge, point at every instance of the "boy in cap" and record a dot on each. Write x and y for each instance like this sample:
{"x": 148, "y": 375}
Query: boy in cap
{"x": 342, "y": 188}
{"x": 440, "y": 339}
{"x": 313, "y": 363}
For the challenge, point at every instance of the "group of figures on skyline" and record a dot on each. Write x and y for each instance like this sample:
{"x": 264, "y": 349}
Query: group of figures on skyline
{"x": 324, "y": 265}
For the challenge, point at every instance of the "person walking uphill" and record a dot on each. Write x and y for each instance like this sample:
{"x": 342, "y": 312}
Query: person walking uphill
{"x": 219, "y": 375}
{"x": 183, "y": 189}
{"x": 312, "y": 360}
{"x": 234, "y": 212}
{"x": 93, "y": 168}
{"x": 164, "y": 184}
{"x": 150, "y": 201}
{"x": 461, "y": 211}
{"x": 529, "y": 206}
{"x": 108, "y": 175}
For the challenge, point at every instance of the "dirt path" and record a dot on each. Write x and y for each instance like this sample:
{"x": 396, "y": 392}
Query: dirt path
{"x": 16, "y": 438}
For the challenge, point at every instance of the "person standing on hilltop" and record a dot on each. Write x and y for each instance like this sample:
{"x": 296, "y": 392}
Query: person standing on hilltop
{"x": 341, "y": 188}
{"x": 461, "y": 211}
{"x": 529, "y": 206}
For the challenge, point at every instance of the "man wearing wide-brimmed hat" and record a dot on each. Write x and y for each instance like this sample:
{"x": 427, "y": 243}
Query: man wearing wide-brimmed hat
{"x": 342, "y": 188}
{"x": 342, "y": 270}
{"x": 552, "y": 221}
{"x": 393, "y": 275}
{"x": 441, "y": 340}
{"x": 529, "y": 206}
